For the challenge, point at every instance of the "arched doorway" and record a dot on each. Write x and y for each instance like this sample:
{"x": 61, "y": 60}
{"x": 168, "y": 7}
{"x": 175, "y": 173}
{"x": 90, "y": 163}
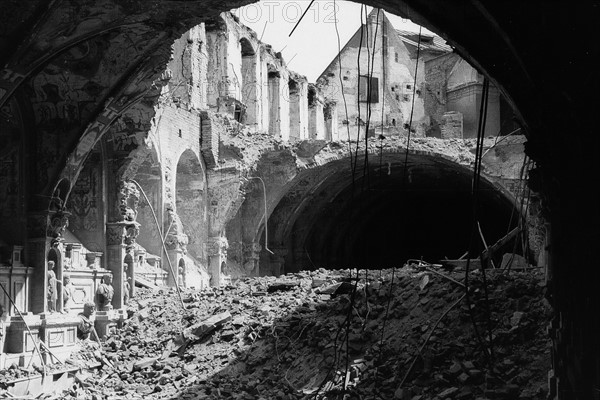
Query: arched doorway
{"x": 190, "y": 208}
{"x": 149, "y": 177}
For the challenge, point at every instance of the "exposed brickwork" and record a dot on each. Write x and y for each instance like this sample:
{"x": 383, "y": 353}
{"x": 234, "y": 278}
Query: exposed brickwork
{"x": 451, "y": 126}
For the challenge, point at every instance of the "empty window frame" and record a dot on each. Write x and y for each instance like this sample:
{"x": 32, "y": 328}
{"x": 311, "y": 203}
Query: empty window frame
{"x": 365, "y": 83}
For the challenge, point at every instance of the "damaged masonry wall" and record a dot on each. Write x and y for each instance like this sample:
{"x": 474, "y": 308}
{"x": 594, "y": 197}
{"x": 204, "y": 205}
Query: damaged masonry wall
{"x": 170, "y": 192}
{"x": 58, "y": 99}
{"x": 157, "y": 171}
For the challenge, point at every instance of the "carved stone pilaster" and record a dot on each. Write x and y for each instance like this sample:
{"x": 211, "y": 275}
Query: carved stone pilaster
{"x": 176, "y": 239}
{"x": 216, "y": 251}
{"x": 45, "y": 231}
{"x": 251, "y": 256}
{"x": 115, "y": 232}
{"x": 128, "y": 200}
{"x": 278, "y": 260}
{"x": 177, "y": 242}
{"x": 58, "y": 223}
{"x": 132, "y": 230}
{"x": 48, "y": 224}
{"x": 217, "y": 247}
{"x": 122, "y": 233}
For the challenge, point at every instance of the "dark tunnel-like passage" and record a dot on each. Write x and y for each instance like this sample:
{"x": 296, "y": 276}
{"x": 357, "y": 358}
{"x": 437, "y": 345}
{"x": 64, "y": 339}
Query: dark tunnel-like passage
{"x": 384, "y": 215}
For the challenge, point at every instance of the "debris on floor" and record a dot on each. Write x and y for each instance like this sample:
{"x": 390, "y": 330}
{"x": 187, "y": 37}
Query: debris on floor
{"x": 406, "y": 333}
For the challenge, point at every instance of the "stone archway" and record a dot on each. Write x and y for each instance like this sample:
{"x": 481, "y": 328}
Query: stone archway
{"x": 190, "y": 201}
{"x": 189, "y": 223}
{"x": 326, "y": 211}
{"x": 149, "y": 176}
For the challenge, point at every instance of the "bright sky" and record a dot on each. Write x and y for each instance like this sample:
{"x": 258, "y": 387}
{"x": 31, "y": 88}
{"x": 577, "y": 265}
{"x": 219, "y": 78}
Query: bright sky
{"x": 313, "y": 44}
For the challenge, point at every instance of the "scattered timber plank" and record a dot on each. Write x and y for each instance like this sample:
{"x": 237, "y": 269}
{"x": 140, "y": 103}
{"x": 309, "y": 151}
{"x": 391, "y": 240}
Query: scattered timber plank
{"x": 493, "y": 248}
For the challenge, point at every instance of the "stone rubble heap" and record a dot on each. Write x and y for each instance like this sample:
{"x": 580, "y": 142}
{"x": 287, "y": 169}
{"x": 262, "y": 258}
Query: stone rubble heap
{"x": 328, "y": 335}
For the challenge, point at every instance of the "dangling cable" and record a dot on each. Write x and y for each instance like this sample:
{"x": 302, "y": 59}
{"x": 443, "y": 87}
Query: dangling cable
{"x": 162, "y": 239}
{"x": 412, "y": 109}
{"x": 360, "y": 44}
{"x": 387, "y": 310}
{"x": 337, "y": 32}
{"x": 370, "y": 68}
{"x": 475, "y": 196}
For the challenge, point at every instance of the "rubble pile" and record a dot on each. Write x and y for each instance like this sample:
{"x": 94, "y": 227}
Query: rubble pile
{"x": 406, "y": 333}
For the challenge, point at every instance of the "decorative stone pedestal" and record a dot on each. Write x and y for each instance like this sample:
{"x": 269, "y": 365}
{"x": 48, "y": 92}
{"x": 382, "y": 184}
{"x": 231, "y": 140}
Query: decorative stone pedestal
{"x": 106, "y": 322}
{"x": 18, "y": 339}
{"x": 19, "y": 346}
{"x": 59, "y": 335}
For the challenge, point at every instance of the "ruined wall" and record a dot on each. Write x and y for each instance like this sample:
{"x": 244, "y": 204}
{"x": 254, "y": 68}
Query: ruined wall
{"x": 466, "y": 99}
{"x": 316, "y": 116}
{"x": 87, "y": 205}
{"x": 436, "y": 72}
{"x": 12, "y": 188}
{"x": 188, "y": 69}
{"x": 451, "y": 126}
{"x": 298, "y": 89}
{"x": 251, "y": 89}
{"x": 150, "y": 176}
{"x": 386, "y": 56}
{"x": 453, "y": 85}
{"x": 178, "y": 132}
{"x": 331, "y": 121}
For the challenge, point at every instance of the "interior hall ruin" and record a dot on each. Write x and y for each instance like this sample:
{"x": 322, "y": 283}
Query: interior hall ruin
{"x": 186, "y": 216}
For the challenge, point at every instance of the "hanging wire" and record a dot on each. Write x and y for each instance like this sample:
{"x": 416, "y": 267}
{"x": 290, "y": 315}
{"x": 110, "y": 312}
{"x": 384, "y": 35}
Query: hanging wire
{"x": 162, "y": 239}
{"x": 265, "y": 215}
{"x": 475, "y": 205}
{"x": 370, "y": 68}
{"x": 303, "y": 14}
{"x": 337, "y": 32}
{"x": 33, "y": 339}
{"x": 412, "y": 109}
{"x": 387, "y": 309}
{"x": 360, "y": 45}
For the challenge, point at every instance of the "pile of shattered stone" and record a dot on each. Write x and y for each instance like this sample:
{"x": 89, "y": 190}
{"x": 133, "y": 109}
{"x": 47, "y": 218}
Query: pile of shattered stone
{"x": 408, "y": 333}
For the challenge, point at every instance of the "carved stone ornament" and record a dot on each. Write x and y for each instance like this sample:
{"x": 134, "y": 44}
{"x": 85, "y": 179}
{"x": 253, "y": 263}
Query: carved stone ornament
{"x": 58, "y": 223}
{"x": 252, "y": 251}
{"x": 129, "y": 198}
{"x": 177, "y": 242}
{"x": 217, "y": 247}
{"x": 131, "y": 233}
{"x": 114, "y": 234}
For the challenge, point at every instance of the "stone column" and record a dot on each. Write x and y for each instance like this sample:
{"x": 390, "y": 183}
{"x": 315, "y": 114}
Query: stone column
{"x": 115, "y": 256}
{"x": 216, "y": 250}
{"x": 278, "y": 260}
{"x": 331, "y": 121}
{"x": 121, "y": 234}
{"x": 175, "y": 254}
{"x": 251, "y": 258}
{"x": 274, "y": 95}
{"x": 44, "y": 231}
{"x": 176, "y": 244}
